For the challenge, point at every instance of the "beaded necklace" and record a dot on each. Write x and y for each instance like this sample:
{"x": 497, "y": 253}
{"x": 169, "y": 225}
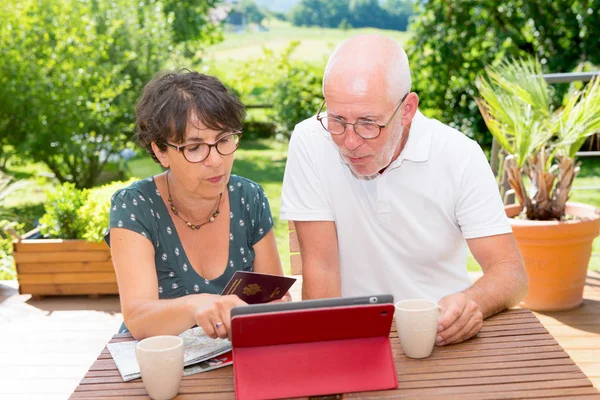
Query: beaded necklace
{"x": 188, "y": 223}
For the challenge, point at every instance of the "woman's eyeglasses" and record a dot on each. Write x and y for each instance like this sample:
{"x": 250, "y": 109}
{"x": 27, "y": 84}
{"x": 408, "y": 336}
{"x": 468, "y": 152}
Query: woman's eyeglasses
{"x": 198, "y": 152}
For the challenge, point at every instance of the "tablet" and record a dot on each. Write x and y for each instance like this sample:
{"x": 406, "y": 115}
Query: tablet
{"x": 313, "y": 347}
{"x": 310, "y": 304}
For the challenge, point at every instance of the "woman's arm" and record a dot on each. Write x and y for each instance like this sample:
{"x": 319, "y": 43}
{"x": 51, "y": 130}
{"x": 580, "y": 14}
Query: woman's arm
{"x": 266, "y": 259}
{"x": 144, "y": 313}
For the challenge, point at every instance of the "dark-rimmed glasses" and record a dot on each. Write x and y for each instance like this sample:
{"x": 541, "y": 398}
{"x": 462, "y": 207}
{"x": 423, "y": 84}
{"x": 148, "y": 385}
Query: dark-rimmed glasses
{"x": 364, "y": 129}
{"x": 198, "y": 152}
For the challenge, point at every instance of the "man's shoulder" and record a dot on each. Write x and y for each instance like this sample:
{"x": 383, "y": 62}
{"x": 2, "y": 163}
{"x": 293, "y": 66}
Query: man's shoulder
{"x": 309, "y": 138}
{"x": 309, "y": 130}
{"x": 308, "y": 125}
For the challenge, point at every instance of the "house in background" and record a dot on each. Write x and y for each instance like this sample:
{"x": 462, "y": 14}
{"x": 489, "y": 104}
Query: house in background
{"x": 242, "y": 16}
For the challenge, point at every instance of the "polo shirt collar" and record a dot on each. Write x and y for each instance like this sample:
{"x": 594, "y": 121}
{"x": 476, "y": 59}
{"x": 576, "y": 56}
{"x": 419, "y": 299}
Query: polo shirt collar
{"x": 419, "y": 140}
{"x": 418, "y": 145}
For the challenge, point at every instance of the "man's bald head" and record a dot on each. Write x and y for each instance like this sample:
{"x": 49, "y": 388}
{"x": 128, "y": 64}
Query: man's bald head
{"x": 368, "y": 63}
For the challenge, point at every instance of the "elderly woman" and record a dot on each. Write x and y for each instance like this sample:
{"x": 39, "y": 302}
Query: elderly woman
{"x": 178, "y": 237}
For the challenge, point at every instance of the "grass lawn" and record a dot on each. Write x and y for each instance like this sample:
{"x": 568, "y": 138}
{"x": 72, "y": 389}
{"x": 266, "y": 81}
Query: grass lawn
{"x": 316, "y": 43}
{"x": 225, "y": 59}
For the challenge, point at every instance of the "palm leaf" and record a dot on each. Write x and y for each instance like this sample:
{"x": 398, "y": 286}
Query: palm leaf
{"x": 579, "y": 118}
{"x": 514, "y": 103}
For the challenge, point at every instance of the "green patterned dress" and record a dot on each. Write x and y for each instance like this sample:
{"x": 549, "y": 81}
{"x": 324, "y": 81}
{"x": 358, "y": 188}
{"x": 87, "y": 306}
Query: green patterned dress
{"x": 141, "y": 209}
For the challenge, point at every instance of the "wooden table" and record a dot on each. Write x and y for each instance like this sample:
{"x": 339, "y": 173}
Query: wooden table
{"x": 512, "y": 357}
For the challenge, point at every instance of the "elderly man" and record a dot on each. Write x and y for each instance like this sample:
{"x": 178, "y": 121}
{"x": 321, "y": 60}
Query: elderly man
{"x": 384, "y": 198}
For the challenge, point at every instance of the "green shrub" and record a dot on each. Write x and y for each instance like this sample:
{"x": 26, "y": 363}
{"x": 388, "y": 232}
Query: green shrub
{"x": 292, "y": 88}
{"x": 73, "y": 213}
{"x": 7, "y": 266}
{"x": 295, "y": 97}
{"x": 95, "y": 213}
{"x": 254, "y": 129}
{"x": 60, "y": 219}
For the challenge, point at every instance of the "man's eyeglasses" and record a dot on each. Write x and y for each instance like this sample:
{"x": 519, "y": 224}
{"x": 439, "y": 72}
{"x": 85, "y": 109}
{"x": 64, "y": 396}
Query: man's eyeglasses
{"x": 198, "y": 152}
{"x": 364, "y": 129}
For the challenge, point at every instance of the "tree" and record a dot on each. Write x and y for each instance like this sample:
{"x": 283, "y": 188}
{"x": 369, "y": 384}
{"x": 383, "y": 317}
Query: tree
{"x": 397, "y": 7}
{"x": 324, "y": 13}
{"x": 356, "y": 13}
{"x": 366, "y": 13}
{"x": 190, "y": 20}
{"x": 398, "y": 12}
{"x": 452, "y": 42}
{"x": 71, "y": 72}
{"x": 248, "y": 8}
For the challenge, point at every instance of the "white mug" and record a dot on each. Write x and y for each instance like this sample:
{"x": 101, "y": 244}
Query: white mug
{"x": 161, "y": 365}
{"x": 417, "y": 322}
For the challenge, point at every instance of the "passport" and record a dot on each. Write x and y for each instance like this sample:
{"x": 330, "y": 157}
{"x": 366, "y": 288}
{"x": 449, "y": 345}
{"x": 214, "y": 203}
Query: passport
{"x": 257, "y": 288}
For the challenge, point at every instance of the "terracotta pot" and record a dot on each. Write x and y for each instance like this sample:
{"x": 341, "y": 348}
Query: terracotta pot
{"x": 556, "y": 255}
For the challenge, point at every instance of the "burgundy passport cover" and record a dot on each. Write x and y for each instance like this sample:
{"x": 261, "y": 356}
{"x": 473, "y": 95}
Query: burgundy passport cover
{"x": 313, "y": 352}
{"x": 255, "y": 288}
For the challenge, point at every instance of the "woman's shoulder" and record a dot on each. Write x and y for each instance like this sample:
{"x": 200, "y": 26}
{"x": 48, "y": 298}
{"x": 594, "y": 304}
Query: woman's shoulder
{"x": 139, "y": 191}
{"x": 244, "y": 187}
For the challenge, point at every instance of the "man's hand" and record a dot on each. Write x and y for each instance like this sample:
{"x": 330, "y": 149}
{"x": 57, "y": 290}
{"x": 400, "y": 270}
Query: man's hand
{"x": 461, "y": 319}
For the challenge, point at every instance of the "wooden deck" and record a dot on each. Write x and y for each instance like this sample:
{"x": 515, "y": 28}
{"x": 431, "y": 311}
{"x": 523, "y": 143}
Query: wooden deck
{"x": 578, "y": 330}
{"x": 34, "y": 334}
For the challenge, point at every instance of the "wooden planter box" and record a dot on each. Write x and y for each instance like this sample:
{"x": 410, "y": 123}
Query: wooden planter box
{"x": 64, "y": 267}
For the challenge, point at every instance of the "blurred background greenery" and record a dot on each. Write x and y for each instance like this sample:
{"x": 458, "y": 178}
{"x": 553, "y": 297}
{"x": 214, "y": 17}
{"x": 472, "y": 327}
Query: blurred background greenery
{"x": 72, "y": 70}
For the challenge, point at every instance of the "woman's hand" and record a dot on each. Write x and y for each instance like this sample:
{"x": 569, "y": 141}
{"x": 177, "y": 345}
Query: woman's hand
{"x": 215, "y": 318}
{"x": 284, "y": 299}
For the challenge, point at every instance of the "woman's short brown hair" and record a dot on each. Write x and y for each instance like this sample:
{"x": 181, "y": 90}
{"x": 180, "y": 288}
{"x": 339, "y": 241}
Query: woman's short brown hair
{"x": 172, "y": 98}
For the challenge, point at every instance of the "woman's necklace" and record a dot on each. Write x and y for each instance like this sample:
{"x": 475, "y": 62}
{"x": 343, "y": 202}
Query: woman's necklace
{"x": 188, "y": 223}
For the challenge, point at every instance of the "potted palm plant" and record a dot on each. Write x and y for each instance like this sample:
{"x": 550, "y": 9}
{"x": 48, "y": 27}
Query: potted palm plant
{"x": 555, "y": 236}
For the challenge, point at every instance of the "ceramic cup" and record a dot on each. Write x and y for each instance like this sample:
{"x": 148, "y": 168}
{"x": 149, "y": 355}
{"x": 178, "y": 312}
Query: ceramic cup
{"x": 417, "y": 322}
{"x": 161, "y": 364}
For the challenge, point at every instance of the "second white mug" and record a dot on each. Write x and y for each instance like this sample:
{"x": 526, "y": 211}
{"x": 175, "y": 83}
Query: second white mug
{"x": 417, "y": 322}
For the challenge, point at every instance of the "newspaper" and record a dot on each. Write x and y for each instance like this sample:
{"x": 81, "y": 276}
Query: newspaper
{"x": 198, "y": 348}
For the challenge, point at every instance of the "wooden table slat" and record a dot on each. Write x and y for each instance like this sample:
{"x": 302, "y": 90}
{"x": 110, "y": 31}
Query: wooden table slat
{"x": 471, "y": 389}
{"x": 509, "y": 327}
{"x": 90, "y": 382}
{"x": 582, "y": 397}
{"x": 489, "y": 380}
{"x": 440, "y": 354}
{"x": 403, "y": 376}
{"x": 512, "y": 321}
{"x": 494, "y": 359}
{"x": 481, "y": 345}
{"x": 403, "y": 368}
{"x": 137, "y": 387}
{"x": 121, "y": 396}
{"x": 530, "y": 331}
{"x": 564, "y": 393}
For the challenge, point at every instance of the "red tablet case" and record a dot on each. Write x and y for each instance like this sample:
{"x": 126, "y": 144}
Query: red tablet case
{"x": 313, "y": 352}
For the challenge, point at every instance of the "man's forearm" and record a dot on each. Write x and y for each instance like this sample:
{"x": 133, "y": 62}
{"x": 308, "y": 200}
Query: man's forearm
{"x": 502, "y": 286}
{"x": 320, "y": 283}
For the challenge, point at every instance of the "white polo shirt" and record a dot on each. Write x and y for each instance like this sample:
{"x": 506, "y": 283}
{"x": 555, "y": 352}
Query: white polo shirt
{"x": 400, "y": 232}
